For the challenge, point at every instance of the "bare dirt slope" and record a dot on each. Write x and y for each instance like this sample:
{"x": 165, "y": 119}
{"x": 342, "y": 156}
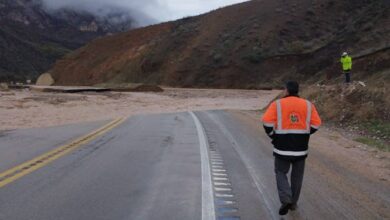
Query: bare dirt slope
{"x": 248, "y": 45}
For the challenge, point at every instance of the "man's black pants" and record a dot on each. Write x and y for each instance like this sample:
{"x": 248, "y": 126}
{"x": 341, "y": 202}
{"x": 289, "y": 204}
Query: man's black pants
{"x": 347, "y": 76}
{"x": 287, "y": 193}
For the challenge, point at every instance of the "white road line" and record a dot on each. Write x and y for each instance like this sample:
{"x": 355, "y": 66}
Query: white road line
{"x": 220, "y": 179}
{"x": 259, "y": 185}
{"x": 221, "y": 184}
{"x": 219, "y": 174}
{"x": 227, "y": 202}
{"x": 219, "y": 170}
{"x": 219, "y": 195}
{"x": 208, "y": 211}
{"x": 219, "y": 189}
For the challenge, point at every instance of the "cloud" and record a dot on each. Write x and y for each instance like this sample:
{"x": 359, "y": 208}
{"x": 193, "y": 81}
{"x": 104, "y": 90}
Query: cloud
{"x": 144, "y": 11}
{"x": 183, "y": 8}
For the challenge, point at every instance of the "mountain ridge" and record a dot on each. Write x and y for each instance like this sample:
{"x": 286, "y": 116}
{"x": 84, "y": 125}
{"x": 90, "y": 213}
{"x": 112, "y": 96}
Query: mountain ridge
{"x": 33, "y": 38}
{"x": 248, "y": 45}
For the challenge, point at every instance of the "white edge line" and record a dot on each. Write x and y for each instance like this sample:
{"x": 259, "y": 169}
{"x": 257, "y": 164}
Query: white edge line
{"x": 259, "y": 185}
{"x": 208, "y": 211}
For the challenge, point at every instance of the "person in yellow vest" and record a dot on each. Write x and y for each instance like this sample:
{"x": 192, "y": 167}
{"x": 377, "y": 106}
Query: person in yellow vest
{"x": 346, "y": 63}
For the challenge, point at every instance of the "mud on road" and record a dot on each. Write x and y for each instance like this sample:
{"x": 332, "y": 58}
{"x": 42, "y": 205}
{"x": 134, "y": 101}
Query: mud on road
{"x": 26, "y": 109}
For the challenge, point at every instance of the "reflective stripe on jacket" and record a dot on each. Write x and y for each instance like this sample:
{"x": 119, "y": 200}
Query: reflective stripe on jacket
{"x": 289, "y": 122}
{"x": 346, "y": 63}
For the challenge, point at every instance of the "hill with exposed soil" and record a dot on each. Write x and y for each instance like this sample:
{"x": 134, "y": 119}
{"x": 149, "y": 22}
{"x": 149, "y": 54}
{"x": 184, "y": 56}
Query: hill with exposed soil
{"x": 248, "y": 45}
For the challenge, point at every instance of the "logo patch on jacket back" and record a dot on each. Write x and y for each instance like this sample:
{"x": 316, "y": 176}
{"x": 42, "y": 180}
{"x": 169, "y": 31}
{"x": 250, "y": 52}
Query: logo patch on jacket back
{"x": 294, "y": 118}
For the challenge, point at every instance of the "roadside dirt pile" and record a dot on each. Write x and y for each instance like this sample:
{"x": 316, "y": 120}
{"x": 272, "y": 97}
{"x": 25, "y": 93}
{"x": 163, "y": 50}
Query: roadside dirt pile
{"x": 45, "y": 80}
{"x": 4, "y": 87}
{"x": 255, "y": 44}
{"x": 361, "y": 109}
{"x": 349, "y": 103}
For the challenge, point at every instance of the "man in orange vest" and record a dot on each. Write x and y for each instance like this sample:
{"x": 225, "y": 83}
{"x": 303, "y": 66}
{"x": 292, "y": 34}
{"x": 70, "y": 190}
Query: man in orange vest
{"x": 289, "y": 122}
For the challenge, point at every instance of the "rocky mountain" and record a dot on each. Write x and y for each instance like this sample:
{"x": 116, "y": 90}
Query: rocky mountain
{"x": 249, "y": 45}
{"x": 32, "y": 37}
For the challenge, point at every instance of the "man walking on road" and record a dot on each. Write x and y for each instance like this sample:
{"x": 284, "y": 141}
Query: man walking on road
{"x": 346, "y": 62}
{"x": 289, "y": 122}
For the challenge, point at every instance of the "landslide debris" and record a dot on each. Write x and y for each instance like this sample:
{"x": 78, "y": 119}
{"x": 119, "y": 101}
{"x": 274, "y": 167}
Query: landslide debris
{"x": 350, "y": 103}
{"x": 360, "y": 108}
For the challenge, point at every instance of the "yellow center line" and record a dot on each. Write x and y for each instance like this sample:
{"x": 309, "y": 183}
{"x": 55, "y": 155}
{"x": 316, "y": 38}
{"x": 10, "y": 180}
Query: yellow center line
{"x": 30, "y": 166}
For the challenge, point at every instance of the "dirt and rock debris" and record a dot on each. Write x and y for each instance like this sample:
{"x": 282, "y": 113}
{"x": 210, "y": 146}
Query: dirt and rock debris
{"x": 25, "y": 108}
{"x": 354, "y": 160}
{"x": 360, "y": 109}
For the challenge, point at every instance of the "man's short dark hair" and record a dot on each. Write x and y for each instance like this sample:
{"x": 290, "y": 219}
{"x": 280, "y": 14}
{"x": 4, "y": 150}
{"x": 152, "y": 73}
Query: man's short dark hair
{"x": 292, "y": 87}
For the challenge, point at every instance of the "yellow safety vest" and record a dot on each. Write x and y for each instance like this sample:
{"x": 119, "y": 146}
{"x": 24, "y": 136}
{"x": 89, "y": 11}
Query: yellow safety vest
{"x": 346, "y": 62}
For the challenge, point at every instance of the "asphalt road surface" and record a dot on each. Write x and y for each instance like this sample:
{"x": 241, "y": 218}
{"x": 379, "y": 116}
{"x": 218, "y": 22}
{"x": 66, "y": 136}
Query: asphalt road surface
{"x": 201, "y": 166}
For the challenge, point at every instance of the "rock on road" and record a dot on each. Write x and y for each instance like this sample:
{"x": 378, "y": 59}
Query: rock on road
{"x": 159, "y": 167}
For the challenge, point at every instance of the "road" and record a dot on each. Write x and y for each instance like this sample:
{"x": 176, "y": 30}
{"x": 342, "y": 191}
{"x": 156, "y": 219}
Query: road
{"x": 202, "y": 165}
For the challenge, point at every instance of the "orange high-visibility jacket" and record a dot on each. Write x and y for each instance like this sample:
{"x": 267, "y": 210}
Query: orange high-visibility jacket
{"x": 289, "y": 122}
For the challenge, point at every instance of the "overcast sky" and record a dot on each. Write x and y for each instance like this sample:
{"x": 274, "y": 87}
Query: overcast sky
{"x": 159, "y": 10}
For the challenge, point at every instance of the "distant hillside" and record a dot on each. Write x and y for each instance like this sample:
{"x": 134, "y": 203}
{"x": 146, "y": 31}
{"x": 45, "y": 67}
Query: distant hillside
{"x": 249, "y": 45}
{"x": 31, "y": 39}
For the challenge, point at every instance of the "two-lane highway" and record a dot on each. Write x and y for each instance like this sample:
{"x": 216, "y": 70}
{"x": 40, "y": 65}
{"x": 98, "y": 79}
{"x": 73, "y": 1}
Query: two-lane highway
{"x": 203, "y": 166}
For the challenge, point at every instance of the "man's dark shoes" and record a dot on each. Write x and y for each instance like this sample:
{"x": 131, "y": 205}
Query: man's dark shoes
{"x": 284, "y": 208}
{"x": 293, "y": 207}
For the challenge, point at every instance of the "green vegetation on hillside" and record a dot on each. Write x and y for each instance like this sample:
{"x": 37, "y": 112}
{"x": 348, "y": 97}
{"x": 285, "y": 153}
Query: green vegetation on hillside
{"x": 377, "y": 143}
